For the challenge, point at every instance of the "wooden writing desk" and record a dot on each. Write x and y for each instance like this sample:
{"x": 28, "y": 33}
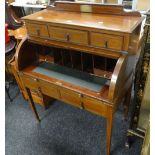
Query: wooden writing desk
{"x": 92, "y": 51}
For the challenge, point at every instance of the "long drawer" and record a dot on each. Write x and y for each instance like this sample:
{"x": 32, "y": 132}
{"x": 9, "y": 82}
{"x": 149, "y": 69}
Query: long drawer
{"x": 106, "y": 41}
{"x": 68, "y": 35}
{"x": 37, "y": 30}
{"x": 49, "y": 89}
{"x": 29, "y": 81}
{"x": 71, "y": 97}
{"x": 94, "y": 105}
{"x": 60, "y": 93}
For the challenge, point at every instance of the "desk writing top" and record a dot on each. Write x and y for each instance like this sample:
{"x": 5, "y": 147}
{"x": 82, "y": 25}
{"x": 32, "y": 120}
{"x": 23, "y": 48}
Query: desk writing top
{"x": 116, "y": 23}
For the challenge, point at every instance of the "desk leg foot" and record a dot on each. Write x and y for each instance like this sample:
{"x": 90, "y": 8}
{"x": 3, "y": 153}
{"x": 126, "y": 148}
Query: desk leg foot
{"x": 32, "y": 105}
{"x": 109, "y": 133}
{"x": 128, "y": 142}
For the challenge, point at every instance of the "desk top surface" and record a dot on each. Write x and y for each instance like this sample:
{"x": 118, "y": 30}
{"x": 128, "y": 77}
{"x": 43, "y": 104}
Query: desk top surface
{"x": 100, "y": 21}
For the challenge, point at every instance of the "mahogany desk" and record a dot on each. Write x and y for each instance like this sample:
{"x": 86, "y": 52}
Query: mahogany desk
{"x": 91, "y": 55}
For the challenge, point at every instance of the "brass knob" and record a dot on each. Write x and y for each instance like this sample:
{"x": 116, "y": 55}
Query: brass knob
{"x": 58, "y": 83}
{"x": 67, "y": 37}
{"x": 35, "y": 79}
{"x": 82, "y": 106}
{"x": 39, "y": 90}
{"x": 80, "y": 95}
{"x": 38, "y": 32}
{"x": 106, "y": 44}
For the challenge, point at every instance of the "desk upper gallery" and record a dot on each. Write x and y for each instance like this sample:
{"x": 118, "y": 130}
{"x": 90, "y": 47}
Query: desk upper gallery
{"x": 90, "y": 52}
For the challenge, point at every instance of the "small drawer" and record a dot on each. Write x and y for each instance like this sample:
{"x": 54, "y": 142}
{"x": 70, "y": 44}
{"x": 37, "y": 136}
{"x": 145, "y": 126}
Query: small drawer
{"x": 37, "y": 97}
{"x": 40, "y": 98}
{"x": 29, "y": 81}
{"x": 39, "y": 30}
{"x": 72, "y": 36}
{"x": 36, "y": 92}
{"x": 49, "y": 89}
{"x": 71, "y": 97}
{"x": 106, "y": 41}
{"x": 94, "y": 105}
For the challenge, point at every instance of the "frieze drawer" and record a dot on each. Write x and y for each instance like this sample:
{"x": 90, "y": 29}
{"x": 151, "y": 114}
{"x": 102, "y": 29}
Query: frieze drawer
{"x": 106, "y": 41}
{"x": 70, "y": 97}
{"x": 94, "y": 105}
{"x": 29, "y": 81}
{"x": 49, "y": 89}
{"x": 68, "y": 35}
{"x": 38, "y": 30}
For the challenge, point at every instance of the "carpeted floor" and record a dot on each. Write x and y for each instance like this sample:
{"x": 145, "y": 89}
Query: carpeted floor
{"x": 64, "y": 130}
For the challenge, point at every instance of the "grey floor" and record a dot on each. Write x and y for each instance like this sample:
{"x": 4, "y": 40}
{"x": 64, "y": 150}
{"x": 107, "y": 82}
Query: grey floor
{"x": 64, "y": 130}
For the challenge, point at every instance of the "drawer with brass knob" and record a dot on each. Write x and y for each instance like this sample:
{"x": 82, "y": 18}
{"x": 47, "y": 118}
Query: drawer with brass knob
{"x": 94, "y": 105}
{"x": 106, "y": 41}
{"x": 71, "y": 97}
{"x": 29, "y": 81}
{"x": 49, "y": 89}
{"x": 38, "y": 30}
{"x": 68, "y": 35}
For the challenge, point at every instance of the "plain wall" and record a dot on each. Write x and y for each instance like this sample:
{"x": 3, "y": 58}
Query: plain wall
{"x": 143, "y": 4}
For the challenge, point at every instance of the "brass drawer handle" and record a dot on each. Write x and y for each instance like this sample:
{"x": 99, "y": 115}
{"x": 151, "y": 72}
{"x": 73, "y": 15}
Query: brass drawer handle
{"x": 67, "y": 37}
{"x": 39, "y": 90}
{"x": 38, "y": 32}
{"x": 82, "y": 106}
{"x": 106, "y": 44}
{"x": 58, "y": 83}
{"x": 80, "y": 95}
{"x": 35, "y": 79}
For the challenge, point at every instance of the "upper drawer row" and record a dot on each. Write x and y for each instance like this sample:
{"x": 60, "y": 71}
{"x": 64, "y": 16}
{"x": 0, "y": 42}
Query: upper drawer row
{"x": 75, "y": 36}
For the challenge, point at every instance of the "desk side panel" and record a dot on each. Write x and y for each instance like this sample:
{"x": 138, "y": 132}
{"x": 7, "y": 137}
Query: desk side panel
{"x": 122, "y": 78}
{"x": 25, "y": 55}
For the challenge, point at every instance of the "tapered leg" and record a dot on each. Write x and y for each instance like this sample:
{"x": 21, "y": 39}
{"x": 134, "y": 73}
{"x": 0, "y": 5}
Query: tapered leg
{"x": 32, "y": 105}
{"x": 109, "y": 133}
{"x": 127, "y": 102}
{"x": 7, "y": 92}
